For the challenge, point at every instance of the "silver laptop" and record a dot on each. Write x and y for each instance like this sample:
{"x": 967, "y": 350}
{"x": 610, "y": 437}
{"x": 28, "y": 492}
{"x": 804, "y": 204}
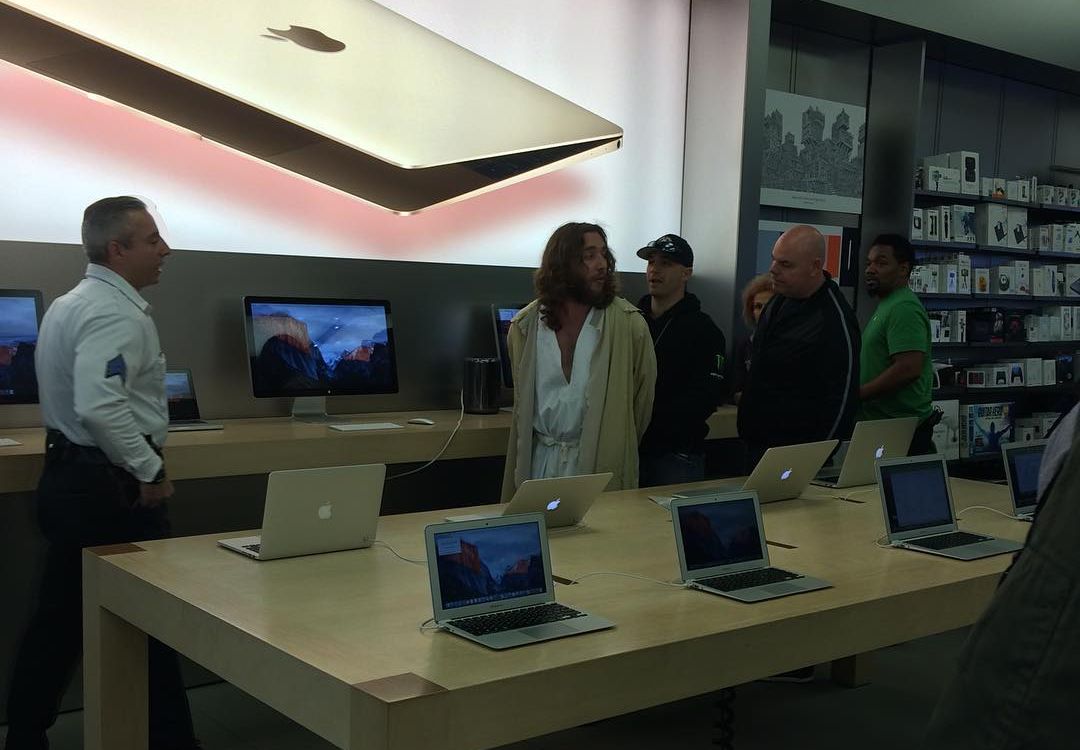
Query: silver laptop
{"x": 491, "y": 583}
{"x": 782, "y": 473}
{"x": 722, "y": 549}
{"x": 853, "y": 464}
{"x": 1022, "y": 464}
{"x": 564, "y": 501}
{"x": 183, "y": 405}
{"x": 309, "y": 511}
{"x": 918, "y": 506}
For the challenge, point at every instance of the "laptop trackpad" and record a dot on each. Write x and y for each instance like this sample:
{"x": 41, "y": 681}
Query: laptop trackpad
{"x": 550, "y": 630}
{"x": 781, "y": 588}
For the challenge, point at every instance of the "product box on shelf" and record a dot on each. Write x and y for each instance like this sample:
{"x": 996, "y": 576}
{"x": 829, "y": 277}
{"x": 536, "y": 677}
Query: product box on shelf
{"x": 1046, "y": 331}
{"x": 941, "y": 179}
{"x": 1074, "y": 197}
{"x": 950, "y": 274}
{"x": 1004, "y": 279}
{"x": 1039, "y": 282}
{"x": 981, "y": 280}
{"x": 992, "y": 225}
{"x": 1058, "y": 243}
{"x": 945, "y": 223}
{"x": 1072, "y": 237}
{"x": 1050, "y": 372}
{"x": 1046, "y": 194}
{"x": 984, "y": 427}
{"x": 1033, "y": 368}
{"x": 947, "y": 430}
{"x": 932, "y": 224}
{"x": 1072, "y": 280}
{"x": 1065, "y": 372}
{"x": 963, "y": 280}
{"x": 1023, "y": 276}
{"x": 1031, "y": 326}
{"x": 960, "y": 326}
{"x": 1014, "y": 326}
{"x": 1018, "y": 190}
{"x": 1018, "y": 227}
{"x": 963, "y": 224}
{"x": 1042, "y": 238}
{"x": 986, "y": 325}
{"x": 917, "y": 224}
{"x": 1061, "y": 195}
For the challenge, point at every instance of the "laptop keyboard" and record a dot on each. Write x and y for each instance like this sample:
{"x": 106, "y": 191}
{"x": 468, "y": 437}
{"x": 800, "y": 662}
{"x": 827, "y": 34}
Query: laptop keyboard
{"x": 952, "y": 539}
{"x": 514, "y": 619}
{"x": 748, "y": 579}
{"x": 252, "y": 547}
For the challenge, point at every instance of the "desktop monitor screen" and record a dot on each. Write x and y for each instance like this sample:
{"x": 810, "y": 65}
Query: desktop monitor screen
{"x": 501, "y": 315}
{"x": 320, "y": 347}
{"x": 20, "y": 318}
{"x": 180, "y": 395}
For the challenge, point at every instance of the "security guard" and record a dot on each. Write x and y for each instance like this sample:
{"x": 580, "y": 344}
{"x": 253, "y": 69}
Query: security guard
{"x": 101, "y": 377}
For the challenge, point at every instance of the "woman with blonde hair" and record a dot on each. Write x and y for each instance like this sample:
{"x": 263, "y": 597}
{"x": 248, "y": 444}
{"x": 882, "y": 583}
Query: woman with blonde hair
{"x": 755, "y": 296}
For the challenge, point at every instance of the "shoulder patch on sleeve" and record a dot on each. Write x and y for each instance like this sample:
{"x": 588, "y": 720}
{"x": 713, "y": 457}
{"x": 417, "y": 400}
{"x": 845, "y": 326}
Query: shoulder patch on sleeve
{"x": 116, "y": 366}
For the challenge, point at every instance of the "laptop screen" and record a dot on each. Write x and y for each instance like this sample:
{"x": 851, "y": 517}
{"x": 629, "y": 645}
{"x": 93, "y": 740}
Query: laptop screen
{"x": 494, "y": 563}
{"x": 916, "y": 495}
{"x": 719, "y": 533}
{"x": 180, "y": 396}
{"x": 1024, "y": 464}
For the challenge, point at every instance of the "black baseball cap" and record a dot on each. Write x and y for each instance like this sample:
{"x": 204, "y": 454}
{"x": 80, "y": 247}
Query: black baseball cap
{"x": 671, "y": 245}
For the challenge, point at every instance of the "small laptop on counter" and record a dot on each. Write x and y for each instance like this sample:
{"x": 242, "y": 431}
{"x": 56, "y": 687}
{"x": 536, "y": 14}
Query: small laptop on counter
{"x": 1022, "y": 464}
{"x": 564, "y": 501}
{"x": 309, "y": 511}
{"x": 918, "y": 506}
{"x": 722, "y": 549}
{"x": 872, "y": 440}
{"x": 491, "y": 583}
{"x": 782, "y": 473}
{"x": 183, "y": 406}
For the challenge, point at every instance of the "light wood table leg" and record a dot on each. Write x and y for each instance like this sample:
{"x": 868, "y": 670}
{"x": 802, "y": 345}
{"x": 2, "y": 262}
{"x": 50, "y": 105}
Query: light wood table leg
{"x": 852, "y": 671}
{"x": 115, "y": 696}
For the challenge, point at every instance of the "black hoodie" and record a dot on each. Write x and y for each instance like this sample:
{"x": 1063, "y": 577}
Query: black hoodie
{"x": 690, "y": 352}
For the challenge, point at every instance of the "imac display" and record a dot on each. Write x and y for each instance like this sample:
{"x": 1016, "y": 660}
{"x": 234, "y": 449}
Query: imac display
{"x": 320, "y": 347}
{"x": 20, "y": 318}
{"x": 501, "y": 315}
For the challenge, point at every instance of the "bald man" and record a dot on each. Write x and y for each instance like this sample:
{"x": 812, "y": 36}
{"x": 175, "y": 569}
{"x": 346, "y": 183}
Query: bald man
{"x": 803, "y": 383}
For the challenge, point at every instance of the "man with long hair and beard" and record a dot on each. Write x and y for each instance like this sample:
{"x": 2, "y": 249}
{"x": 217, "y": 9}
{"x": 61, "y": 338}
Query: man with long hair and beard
{"x": 584, "y": 368}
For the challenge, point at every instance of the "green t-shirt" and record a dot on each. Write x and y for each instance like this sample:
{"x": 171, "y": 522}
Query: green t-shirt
{"x": 900, "y": 324}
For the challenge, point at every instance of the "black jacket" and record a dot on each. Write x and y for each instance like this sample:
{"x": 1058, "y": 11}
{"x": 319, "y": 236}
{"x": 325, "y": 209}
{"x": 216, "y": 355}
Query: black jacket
{"x": 803, "y": 384}
{"x": 690, "y": 353}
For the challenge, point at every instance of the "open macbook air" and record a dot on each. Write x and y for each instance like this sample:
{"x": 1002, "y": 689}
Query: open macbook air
{"x": 917, "y": 502}
{"x": 183, "y": 405}
{"x": 564, "y": 501}
{"x": 491, "y": 583}
{"x": 872, "y": 440}
{"x": 1022, "y": 464}
{"x": 309, "y": 511}
{"x": 781, "y": 474}
{"x": 722, "y": 549}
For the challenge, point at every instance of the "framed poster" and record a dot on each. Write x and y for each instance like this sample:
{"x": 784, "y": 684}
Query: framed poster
{"x": 812, "y": 153}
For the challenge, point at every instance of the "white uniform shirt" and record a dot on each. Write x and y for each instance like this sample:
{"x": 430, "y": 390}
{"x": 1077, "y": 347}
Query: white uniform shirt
{"x": 101, "y": 372}
{"x": 560, "y": 406}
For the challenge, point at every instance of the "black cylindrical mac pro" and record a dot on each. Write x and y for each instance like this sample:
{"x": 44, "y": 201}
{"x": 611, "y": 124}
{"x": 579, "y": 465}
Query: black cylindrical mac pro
{"x": 481, "y": 384}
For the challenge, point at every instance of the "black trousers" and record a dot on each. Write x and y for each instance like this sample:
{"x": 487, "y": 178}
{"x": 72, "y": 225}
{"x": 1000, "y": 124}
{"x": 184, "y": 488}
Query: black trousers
{"x": 922, "y": 442}
{"x": 83, "y": 501}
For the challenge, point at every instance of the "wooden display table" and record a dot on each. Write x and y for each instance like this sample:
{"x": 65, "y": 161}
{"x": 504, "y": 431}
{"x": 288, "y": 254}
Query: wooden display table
{"x": 334, "y": 641}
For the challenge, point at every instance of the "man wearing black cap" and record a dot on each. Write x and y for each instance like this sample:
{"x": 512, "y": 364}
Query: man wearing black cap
{"x": 690, "y": 364}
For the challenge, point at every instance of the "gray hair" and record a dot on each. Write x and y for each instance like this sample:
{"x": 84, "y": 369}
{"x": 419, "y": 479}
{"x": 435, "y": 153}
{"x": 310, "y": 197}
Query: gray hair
{"x": 107, "y": 220}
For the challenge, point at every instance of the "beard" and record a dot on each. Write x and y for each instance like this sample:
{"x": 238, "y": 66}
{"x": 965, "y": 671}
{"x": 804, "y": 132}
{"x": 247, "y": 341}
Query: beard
{"x": 581, "y": 291}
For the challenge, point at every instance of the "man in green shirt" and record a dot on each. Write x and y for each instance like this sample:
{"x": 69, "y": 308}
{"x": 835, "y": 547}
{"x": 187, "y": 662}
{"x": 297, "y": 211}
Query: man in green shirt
{"x": 895, "y": 368}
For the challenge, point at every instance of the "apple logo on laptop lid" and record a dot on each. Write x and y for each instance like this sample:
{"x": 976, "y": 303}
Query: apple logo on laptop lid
{"x": 879, "y": 452}
{"x": 785, "y": 474}
{"x": 554, "y": 504}
{"x": 326, "y": 511}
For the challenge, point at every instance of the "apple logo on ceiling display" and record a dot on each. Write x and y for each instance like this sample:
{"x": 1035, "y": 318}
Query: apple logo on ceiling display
{"x": 326, "y": 511}
{"x": 554, "y": 504}
{"x": 785, "y": 474}
{"x": 879, "y": 452}
{"x": 312, "y": 39}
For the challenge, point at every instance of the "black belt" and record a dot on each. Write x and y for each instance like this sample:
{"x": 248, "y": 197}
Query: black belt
{"x": 59, "y": 448}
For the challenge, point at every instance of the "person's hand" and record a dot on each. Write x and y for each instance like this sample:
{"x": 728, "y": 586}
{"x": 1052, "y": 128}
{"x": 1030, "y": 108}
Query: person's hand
{"x": 153, "y": 495}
